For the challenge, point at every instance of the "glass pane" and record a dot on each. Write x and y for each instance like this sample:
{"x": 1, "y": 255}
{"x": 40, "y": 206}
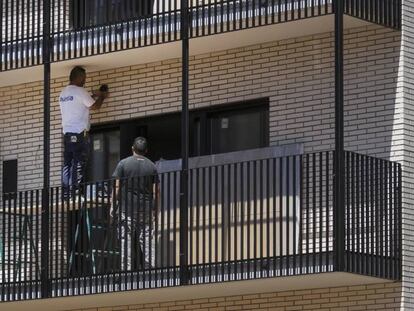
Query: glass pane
{"x": 104, "y": 155}
{"x": 234, "y": 131}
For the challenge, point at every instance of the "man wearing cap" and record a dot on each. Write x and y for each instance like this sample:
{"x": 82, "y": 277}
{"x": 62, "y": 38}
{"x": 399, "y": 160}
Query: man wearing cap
{"x": 75, "y": 103}
{"x": 136, "y": 191}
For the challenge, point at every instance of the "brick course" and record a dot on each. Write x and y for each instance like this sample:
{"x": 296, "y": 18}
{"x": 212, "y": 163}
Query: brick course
{"x": 382, "y": 296}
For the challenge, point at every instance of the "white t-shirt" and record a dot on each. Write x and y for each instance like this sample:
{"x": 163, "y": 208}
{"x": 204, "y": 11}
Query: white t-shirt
{"x": 74, "y": 103}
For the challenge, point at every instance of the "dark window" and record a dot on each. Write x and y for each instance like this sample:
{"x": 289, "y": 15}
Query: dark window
{"x": 232, "y": 128}
{"x": 104, "y": 154}
{"x": 213, "y": 130}
{"x": 235, "y": 130}
{"x": 9, "y": 176}
{"x": 85, "y": 13}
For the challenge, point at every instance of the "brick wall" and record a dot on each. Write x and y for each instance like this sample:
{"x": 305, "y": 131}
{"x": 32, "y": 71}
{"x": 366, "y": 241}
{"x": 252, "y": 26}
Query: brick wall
{"x": 296, "y": 74}
{"x": 365, "y": 297}
{"x": 406, "y": 98}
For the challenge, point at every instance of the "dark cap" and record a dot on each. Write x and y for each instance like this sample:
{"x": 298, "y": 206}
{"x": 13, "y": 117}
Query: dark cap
{"x": 140, "y": 145}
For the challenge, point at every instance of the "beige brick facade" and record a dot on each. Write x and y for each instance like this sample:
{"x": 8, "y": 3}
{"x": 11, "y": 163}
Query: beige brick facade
{"x": 297, "y": 75}
{"x": 382, "y": 296}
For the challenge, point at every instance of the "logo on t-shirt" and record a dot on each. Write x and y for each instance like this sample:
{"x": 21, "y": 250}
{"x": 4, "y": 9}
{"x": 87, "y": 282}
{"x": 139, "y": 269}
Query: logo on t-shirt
{"x": 66, "y": 99}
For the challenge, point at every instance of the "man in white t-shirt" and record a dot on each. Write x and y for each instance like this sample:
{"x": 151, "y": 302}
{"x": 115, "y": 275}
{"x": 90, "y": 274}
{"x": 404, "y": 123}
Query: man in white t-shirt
{"x": 75, "y": 103}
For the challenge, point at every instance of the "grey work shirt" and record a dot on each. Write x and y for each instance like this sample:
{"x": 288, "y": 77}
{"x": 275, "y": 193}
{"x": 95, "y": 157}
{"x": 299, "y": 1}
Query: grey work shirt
{"x": 138, "y": 175}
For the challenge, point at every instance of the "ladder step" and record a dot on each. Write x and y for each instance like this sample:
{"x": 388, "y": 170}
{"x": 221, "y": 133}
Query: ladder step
{"x": 100, "y": 251}
{"x": 98, "y": 227}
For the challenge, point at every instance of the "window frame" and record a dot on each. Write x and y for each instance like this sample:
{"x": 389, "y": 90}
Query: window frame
{"x": 10, "y": 193}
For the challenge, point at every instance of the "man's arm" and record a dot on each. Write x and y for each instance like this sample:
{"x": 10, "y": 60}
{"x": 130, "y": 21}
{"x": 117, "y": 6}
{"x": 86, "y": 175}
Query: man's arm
{"x": 99, "y": 101}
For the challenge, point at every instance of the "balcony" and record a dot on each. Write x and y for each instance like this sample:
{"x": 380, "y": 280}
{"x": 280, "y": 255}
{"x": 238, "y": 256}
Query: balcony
{"x": 22, "y": 34}
{"x": 270, "y": 214}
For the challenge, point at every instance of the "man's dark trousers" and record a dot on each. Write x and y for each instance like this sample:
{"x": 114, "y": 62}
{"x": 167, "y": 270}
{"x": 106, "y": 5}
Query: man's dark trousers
{"x": 74, "y": 161}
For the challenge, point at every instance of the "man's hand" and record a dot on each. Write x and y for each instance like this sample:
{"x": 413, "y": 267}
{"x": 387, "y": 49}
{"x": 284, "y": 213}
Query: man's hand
{"x": 100, "y": 94}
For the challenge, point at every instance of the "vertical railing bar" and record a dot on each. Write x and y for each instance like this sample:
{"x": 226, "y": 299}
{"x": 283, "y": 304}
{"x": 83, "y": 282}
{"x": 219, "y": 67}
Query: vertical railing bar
{"x": 15, "y": 220}
{"x": 381, "y": 228}
{"x": 222, "y": 224}
{"x": 396, "y": 246}
{"x": 267, "y": 217}
{"x": 294, "y": 213}
{"x": 176, "y": 177}
{"x": 38, "y": 231}
{"x": 242, "y": 260}
{"x": 320, "y": 208}
{"x": 362, "y": 190}
{"x": 204, "y": 202}
{"x": 27, "y": 260}
{"x": 162, "y": 265}
{"x": 372, "y": 217}
{"x": 300, "y": 216}
{"x": 391, "y": 220}
{"x": 229, "y": 250}
{"x": 255, "y": 217}
{"x": 20, "y": 221}
{"x": 1, "y": 69}
{"x": 279, "y": 8}
{"x": 227, "y": 13}
{"x": 191, "y": 215}
{"x": 197, "y": 170}
{"x": 203, "y": 18}
{"x": 22, "y": 35}
{"x": 9, "y": 248}
{"x": 307, "y": 212}
{"x": 368, "y": 213}
{"x": 3, "y": 264}
{"x": 377, "y": 220}
{"x": 216, "y": 272}
{"x": 274, "y": 216}
{"x": 288, "y": 256}
{"x": 327, "y": 190}
{"x": 347, "y": 212}
{"x": 399, "y": 235}
{"x": 353, "y": 209}
{"x": 28, "y": 211}
{"x": 210, "y": 218}
{"x": 248, "y": 181}
{"x": 261, "y": 216}
{"x": 152, "y": 240}
{"x": 358, "y": 213}
{"x": 15, "y": 33}
{"x": 55, "y": 206}
{"x": 314, "y": 211}
{"x": 286, "y": 11}
{"x": 281, "y": 215}
{"x": 386, "y": 224}
{"x": 168, "y": 207}
{"x": 235, "y": 166}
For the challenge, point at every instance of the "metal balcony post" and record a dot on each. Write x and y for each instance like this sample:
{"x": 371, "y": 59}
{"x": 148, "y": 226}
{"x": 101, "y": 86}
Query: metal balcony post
{"x": 45, "y": 289}
{"x": 184, "y": 277}
{"x": 339, "y": 166}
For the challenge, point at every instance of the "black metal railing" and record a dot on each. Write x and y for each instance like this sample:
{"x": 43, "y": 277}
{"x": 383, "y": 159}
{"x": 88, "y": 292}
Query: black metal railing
{"x": 255, "y": 219}
{"x": 382, "y": 12}
{"x": 373, "y": 216}
{"x": 84, "y": 28}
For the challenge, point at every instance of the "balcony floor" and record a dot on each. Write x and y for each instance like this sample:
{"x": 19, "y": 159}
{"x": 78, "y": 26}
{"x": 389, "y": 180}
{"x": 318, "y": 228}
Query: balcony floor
{"x": 293, "y": 268}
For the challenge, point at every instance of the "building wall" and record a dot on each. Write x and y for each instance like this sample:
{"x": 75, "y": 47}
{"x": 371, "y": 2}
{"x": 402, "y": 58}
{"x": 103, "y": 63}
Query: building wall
{"x": 382, "y": 296}
{"x": 296, "y": 74}
{"x": 406, "y": 90}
